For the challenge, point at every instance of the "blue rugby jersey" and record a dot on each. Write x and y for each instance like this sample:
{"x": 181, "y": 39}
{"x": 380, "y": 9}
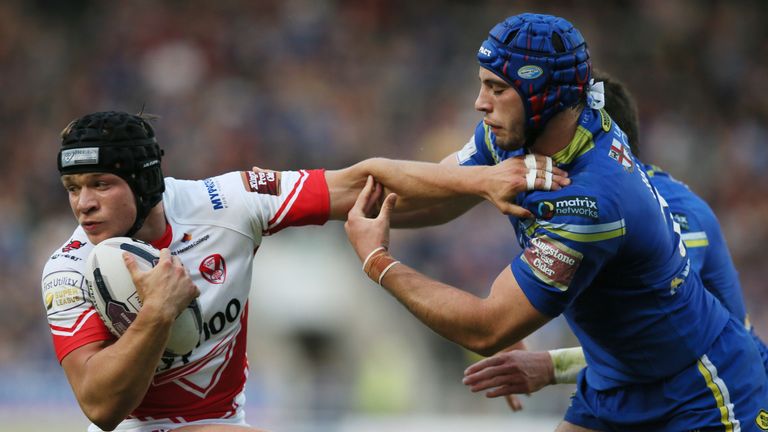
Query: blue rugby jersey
{"x": 606, "y": 253}
{"x": 704, "y": 240}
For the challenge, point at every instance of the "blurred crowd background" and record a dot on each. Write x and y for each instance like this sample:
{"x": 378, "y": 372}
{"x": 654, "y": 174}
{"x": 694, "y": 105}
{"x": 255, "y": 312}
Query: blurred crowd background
{"x": 310, "y": 83}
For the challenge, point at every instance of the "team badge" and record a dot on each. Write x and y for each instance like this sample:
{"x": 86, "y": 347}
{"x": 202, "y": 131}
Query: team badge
{"x": 762, "y": 420}
{"x": 73, "y": 244}
{"x": 214, "y": 269}
{"x": 620, "y": 154}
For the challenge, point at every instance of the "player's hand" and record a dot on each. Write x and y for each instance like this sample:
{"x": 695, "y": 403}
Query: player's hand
{"x": 364, "y": 231}
{"x": 167, "y": 288}
{"x": 520, "y": 174}
{"x": 511, "y": 372}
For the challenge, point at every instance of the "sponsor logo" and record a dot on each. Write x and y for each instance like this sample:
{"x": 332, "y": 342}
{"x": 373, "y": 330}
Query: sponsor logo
{"x": 262, "y": 182}
{"x": 191, "y": 245}
{"x": 73, "y": 244}
{"x": 605, "y": 120}
{"x": 65, "y": 255}
{"x": 529, "y": 72}
{"x": 484, "y": 51}
{"x": 583, "y": 206}
{"x": 214, "y": 269}
{"x": 62, "y": 291}
{"x": 150, "y": 163}
{"x": 762, "y": 419}
{"x": 552, "y": 262}
{"x": 186, "y": 237}
{"x": 681, "y": 220}
{"x": 212, "y": 187}
{"x": 80, "y": 156}
{"x": 621, "y": 154}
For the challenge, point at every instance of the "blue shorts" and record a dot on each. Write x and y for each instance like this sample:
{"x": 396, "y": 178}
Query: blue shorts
{"x": 725, "y": 390}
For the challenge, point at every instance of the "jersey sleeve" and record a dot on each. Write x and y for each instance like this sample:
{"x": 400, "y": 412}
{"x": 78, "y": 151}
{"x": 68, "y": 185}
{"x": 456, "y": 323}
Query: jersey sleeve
{"x": 72, "y": 319}
{"x": 572, "y": 238}
{"x": 281, "y": 199}
{"x": 479, "y": 150}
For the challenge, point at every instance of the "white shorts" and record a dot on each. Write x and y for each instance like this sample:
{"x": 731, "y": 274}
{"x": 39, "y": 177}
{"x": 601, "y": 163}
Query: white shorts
{"x": 165, "y": 425}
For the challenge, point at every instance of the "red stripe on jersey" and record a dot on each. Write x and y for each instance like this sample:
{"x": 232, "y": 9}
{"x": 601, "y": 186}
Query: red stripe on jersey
{"x": 296, "y": 186}
{"x": 171, "y": 400}
{"x": 88, "y": 328}
{"x": 312, "y": 206}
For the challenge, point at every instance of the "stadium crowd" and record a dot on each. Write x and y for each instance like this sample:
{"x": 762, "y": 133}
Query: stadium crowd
{"x": 304, "y": 83}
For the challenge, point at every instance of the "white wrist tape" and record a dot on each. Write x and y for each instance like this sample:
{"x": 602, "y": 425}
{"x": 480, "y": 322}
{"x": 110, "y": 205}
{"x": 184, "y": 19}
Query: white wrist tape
{"x": 567, "y": 362}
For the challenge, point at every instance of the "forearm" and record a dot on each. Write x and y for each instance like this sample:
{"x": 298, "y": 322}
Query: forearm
{"x": 425, "y": 180}
{"x": 461, "y": 317}
{"x": 116, "y": 378}
{"x": 432, "y": 215}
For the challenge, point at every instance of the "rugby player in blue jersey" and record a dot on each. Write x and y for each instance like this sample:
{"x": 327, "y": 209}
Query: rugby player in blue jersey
{"x": 517, "y": 372}
{"x": 605, "y": 252}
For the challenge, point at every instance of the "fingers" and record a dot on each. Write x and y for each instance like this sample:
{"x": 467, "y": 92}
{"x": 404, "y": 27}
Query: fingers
{"x": 387, "y": 206}
{"x": 374, "y": 201}
{"x": 514, "y": 402}
{"x": 541, "y": 173}
{"x": 130, "y": 264}
{"x": 482, "y": 364}
{"x": 358, "y": 209}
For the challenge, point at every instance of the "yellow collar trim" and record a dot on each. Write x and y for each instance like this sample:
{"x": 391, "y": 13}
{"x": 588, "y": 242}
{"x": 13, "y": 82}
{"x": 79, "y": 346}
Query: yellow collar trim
{"x": 581, "y": 143}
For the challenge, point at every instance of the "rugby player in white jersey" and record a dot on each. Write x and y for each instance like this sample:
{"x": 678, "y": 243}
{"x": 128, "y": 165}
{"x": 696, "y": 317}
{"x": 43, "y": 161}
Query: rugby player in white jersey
{"x": 207, "y": 232}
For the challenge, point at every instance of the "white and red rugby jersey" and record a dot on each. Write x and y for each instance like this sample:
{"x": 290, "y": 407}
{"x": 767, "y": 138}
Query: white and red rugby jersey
{"x": 214, "y": 226}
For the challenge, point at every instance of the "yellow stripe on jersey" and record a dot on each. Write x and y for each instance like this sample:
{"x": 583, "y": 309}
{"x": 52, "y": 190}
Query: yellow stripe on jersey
{"x": 489, "y": 144}
{"x": 695, "y": 239}
{"x": 580, "y": 144}
{"x": 580, "y": 233}
{"x": 721, "y": 394}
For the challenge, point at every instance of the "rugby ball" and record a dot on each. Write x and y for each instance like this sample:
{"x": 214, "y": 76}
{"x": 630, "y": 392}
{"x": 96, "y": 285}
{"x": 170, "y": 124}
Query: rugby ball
{"x": 116, "y": 300}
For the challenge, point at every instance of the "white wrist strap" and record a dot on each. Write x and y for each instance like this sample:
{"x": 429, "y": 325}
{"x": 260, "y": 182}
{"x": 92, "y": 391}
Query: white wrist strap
{"x": 365, "y": 262}
{"x": 567, "y": 362}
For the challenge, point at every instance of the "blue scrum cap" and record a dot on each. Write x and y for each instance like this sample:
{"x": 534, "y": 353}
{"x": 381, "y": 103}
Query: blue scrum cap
{"x": 544, "y": 58}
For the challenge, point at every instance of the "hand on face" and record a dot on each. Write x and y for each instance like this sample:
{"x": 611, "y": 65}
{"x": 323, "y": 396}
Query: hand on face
{"x": 364, "y": 232}
{"x": 167, "y": 288}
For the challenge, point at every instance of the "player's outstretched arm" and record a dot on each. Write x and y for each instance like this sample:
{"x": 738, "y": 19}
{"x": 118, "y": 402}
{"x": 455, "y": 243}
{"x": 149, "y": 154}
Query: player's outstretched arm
{"x": 420, "y": 184}
{"x": 484, "y": 325}
{"x": 110, "y": 379}
{"x": 524, "y": 372}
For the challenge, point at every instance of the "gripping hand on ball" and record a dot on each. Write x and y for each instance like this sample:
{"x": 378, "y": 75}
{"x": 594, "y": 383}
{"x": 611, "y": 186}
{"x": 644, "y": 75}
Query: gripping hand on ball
{"x": 167, "y": 288}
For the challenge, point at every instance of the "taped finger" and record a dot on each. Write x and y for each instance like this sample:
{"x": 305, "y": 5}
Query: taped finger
{"x": 530, "y": 161}
{"x": 530, "y": 179}
{"x": 547, "y": 180}
{"x": 549, "y": 164}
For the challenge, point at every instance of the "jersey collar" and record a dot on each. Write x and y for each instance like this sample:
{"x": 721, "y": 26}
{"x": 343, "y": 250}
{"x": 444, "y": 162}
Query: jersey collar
{"x": 165, "y": 240}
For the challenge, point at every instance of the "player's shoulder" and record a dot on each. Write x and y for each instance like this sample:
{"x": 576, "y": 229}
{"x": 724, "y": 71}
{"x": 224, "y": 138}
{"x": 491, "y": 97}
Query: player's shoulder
{"x": 70, "y": 255}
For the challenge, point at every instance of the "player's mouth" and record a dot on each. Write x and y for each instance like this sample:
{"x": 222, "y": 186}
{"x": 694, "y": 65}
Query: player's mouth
{"x": 494, "y": 128}
{"x": 90, "y": 226}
